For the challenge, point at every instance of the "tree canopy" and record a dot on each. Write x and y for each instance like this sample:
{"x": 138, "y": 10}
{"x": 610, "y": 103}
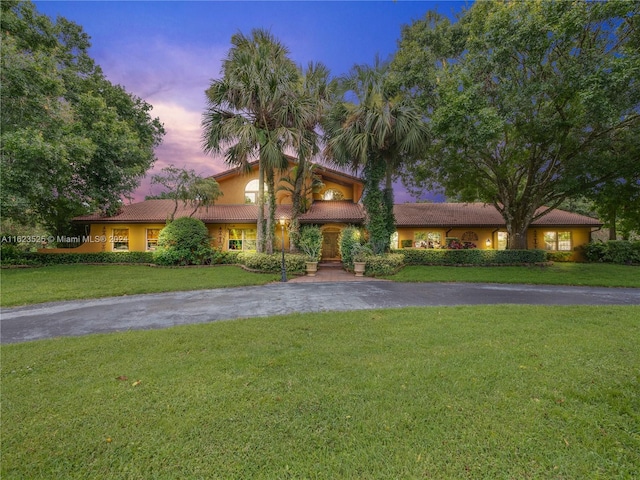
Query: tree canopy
{"x": 71, "y": 141}
{"x": 528, "y": 102}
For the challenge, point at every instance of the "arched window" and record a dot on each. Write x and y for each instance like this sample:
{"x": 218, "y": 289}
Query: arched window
{"x": 251, "y": 192}
{"x": 333, "y": 194}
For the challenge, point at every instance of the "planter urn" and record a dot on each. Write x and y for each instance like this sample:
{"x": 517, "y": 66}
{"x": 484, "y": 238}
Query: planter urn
{"x": 358, "y": 267}
{"x": 312, "y": 268}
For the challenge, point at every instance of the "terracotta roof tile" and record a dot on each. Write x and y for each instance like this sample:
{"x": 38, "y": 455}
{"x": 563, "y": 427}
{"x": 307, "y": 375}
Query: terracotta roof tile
{"x": 407, "y": 214}
{"x": 475, "y": 214}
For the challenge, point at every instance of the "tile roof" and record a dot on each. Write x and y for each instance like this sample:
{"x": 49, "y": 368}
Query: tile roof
{"x": 158, "y": 211}
{"x": 476, "y": 215}
{"x": 407, "y": 214}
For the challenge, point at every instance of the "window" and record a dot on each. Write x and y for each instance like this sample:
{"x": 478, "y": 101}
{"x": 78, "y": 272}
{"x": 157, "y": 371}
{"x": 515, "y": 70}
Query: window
{"x": 557, "y": 241}
{"x": 333, "y": 194}
{"x": 427, "y": 239}
{"x": 394, "y": 240}
{"x": 242, "y": 239}
{"x": 251, "y": 192}
{"x": 502, "y": 240}
{"x": 469, "y": 236}
{"x": 152, "y": 238}
{"x": 120, "y": 239}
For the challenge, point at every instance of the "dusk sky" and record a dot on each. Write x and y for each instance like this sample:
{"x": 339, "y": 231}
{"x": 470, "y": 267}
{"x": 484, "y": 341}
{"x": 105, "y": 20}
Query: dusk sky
{"x": 167, "y": 52}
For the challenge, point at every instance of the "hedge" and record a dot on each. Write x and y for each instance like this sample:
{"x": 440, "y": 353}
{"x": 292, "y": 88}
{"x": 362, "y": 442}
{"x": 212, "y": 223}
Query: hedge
{"x": 263, "y": 262}
{"x": 471, "y": 257}
{"x": 44, "y": 259}
{"x": 387, "y": 264}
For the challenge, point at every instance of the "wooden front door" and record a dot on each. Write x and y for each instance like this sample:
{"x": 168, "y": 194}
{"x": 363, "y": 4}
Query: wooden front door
{"x": 330, "y": 246}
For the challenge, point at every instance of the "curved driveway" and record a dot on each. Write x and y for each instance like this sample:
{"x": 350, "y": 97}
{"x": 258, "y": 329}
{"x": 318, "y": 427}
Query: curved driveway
{"x": 178, "y": 308}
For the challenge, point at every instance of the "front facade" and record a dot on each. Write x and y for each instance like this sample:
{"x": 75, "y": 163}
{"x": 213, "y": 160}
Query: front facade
{"x": 333, "y": 205}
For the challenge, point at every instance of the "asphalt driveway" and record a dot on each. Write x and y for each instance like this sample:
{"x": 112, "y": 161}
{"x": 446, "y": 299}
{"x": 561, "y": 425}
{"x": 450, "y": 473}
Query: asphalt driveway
{"x": 153, "y": 311}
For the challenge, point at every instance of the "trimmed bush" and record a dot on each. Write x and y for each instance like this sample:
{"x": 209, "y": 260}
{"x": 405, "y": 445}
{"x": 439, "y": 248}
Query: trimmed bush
{"x": 386, "y": 264}
{"x": 471, "y": 257}
{"x": 272, "y": 263}
{"x": 185, "y": 241}
{"x": 44, "y": 259}
{"x": 559, "y": 256}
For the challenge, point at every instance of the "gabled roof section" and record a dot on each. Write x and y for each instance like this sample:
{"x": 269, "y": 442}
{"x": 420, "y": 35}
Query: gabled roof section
{"x": 476, "y": 215}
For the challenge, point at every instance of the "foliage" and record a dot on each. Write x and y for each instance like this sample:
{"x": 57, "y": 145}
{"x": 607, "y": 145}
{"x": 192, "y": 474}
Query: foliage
{"x": 530, "y": 102}
{"x": 361, "y": 252}
{"x": 387, "y": 264}
{"x": 466, "y": 392}
{"x": 71, "y": 142}
{"x": 472, "y": 257}
{"x": 264, "y": 262}
{"x": 310, "y": 242}
{"x": 185, "y": 241}
{"x": 559, "y": 256}
{"x": 187, "y": 186}
{"x": 349, "y": 236}
{"x": 373, "y": 126}
{"x": 613, "y": 251}
{"x": 250, "y": 113}
{"x": 14, "y": 256}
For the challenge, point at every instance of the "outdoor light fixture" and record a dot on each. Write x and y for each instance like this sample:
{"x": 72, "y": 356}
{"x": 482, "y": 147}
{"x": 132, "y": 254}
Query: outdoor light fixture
{"x": 283, "y": 220}
{"x": 488, "y": 243}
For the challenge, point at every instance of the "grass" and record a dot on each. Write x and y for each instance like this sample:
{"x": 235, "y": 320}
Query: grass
{"x": 439, "y": 392}
{"x": 583, "y": 274}
{"x": 73, "y": 282}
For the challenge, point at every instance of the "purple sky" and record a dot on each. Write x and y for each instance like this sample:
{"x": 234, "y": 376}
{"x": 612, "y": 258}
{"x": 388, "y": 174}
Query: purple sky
{"x": 167, "y": 52}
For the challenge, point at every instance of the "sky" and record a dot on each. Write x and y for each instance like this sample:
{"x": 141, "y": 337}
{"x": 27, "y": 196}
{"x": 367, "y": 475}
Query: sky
{"x": 167, "y": 52}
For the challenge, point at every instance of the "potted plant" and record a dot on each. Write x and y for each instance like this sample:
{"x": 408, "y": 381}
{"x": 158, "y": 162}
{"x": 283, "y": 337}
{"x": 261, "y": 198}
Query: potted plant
{"x": 310, "y": 243}
{"x": 359, "y": 254}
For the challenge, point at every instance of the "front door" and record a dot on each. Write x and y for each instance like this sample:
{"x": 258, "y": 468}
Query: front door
{"x": 330, "y": 246}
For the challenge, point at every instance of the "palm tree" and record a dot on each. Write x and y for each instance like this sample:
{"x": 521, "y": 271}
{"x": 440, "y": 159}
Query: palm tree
{"x": 374, "y": 128}
{"x": 248, "y": 114}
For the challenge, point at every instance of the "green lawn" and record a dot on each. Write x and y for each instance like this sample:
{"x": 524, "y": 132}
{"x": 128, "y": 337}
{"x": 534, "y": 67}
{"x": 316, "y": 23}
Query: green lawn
{"x": 585, "y": 274}
{"x": 442, "y": 392}
{"x": 70, "y": 282}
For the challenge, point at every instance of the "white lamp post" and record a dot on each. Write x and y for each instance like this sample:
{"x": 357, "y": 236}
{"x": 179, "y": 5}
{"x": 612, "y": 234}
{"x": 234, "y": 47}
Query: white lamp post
{"x": 283, "y": 220}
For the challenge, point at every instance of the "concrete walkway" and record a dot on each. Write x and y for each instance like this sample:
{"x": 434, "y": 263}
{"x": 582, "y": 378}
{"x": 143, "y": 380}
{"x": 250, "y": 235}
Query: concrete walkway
{"x": 313, "y": 294}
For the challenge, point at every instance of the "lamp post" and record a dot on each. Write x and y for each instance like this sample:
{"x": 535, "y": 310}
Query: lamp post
{"x": 284, "y": 269}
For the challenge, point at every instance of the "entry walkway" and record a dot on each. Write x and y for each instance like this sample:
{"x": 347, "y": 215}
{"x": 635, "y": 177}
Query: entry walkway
{"x": 332, "y": 272}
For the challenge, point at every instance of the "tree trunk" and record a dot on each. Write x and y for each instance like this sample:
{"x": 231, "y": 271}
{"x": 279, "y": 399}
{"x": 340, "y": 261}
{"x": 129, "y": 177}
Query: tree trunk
{"x": 260, "y": 220}
{"x": 517, "y": 220}
{"x": 271, "y": 203}
{"x": 611, "y": 220}
{"x": 296, "y": 201}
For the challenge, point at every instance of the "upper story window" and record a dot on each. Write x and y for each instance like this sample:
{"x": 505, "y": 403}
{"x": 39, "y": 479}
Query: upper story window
{"x": 333, "y": 194}
{"x": 251, "y": 192}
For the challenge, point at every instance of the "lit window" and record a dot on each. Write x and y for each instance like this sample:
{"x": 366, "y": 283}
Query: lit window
{"x": 427, "y": 239}
{"x": 502, "y": 240}
{"x": 557, "y": 241}
{"x": 240, "y": 239}
{"x": 394, "y": 240}
{"x": 251, "y": 192}
{"x": 152, "y": 238}
{"x": 333, "y": 194}
{"x": 120, "y": 239}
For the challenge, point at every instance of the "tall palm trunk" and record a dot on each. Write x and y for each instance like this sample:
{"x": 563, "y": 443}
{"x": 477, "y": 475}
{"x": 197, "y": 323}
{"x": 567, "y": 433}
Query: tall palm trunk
{"x": 260, "y": 220}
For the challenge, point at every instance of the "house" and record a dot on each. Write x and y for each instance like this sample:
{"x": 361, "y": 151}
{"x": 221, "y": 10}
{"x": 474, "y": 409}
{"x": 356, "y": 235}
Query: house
{"x": 232, "y": 220}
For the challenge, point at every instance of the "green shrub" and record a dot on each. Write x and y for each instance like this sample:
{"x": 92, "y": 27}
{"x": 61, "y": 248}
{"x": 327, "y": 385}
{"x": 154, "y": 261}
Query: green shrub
{"x": 349, "y": 236}
{"x": 309, "y": 242}
{"x": 471, "y": 257}
{"x": 225, "y": 257}
{"x": 44, "y": 259}
{"x": 272, "y": 263}
{"x": 613, "y": 251}
{"x": 559, "y": 256}
{"x": 185, "y": 241}
{"x": 386, "y": 264}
